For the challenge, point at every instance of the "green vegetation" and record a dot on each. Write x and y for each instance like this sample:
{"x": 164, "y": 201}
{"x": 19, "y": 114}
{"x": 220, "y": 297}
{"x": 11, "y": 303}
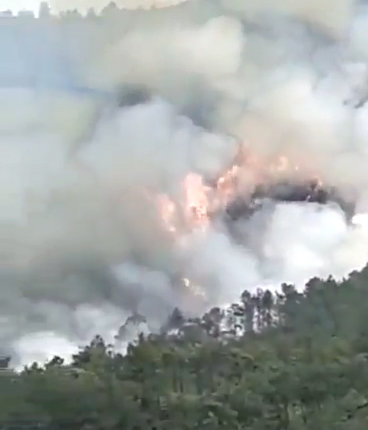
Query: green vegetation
{"x": 288, "y": 361}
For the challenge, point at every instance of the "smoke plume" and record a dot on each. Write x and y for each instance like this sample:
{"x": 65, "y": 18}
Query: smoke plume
{"x": 128, "y": 137}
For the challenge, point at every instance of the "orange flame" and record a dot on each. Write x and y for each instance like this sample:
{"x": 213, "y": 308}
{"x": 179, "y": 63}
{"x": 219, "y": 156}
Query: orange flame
{"x": 199, "y": 200}
{"x": 196, "y": 201}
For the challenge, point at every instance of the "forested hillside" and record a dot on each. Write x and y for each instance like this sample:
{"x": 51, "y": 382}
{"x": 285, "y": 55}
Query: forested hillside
{"x": 290, "y": 361}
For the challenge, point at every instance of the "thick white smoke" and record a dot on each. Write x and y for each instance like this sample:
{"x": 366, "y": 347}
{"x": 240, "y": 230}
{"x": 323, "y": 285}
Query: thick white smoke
{"x": 101, "y": 115}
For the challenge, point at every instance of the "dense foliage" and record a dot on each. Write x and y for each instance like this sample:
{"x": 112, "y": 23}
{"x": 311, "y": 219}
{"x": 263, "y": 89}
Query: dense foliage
{"x": 287, "y": 361}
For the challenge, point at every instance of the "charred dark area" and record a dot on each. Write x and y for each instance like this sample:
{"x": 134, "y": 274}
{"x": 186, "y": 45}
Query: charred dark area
{"x": 287, "y": 192}
{"x": 132, "y": 96}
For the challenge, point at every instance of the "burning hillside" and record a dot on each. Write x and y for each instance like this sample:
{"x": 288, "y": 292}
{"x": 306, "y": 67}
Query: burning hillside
{"x": 164, "y": 158}
{"x": 241, "y": 190}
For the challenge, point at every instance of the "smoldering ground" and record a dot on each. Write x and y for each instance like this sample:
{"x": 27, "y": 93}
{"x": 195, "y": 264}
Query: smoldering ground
{"x": 116, "y": 110}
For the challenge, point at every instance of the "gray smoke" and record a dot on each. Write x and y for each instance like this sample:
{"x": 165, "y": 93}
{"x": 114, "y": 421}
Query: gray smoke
{"x": 100, "y": 115}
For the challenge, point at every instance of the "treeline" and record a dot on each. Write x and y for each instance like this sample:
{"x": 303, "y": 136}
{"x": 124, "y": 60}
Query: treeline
{"x": 55, "y": 51}
{"x": 111, "y": 9}
{"x": 285, "y": 361}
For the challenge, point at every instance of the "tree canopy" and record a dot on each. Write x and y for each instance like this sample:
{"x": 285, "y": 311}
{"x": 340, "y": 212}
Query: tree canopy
{"x": 273, "y": 361}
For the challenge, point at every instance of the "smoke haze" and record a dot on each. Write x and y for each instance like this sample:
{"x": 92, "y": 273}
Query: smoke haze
{"x": 101, "y": 116}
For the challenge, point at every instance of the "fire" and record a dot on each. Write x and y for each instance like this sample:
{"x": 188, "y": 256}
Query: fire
{"x": 226, "y": 185}
{"x": 198, "y": 201}
{"x": 191, "y": 212}
{"x": 192, "y": 207}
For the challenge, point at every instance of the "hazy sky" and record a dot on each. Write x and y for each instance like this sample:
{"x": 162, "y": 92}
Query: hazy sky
{"x": 82, "y": 5}
{"x": 17, "y": 5}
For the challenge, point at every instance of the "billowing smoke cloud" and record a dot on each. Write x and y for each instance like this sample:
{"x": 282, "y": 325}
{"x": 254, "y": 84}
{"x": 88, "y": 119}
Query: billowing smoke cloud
{"x": 103, "y": 116}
